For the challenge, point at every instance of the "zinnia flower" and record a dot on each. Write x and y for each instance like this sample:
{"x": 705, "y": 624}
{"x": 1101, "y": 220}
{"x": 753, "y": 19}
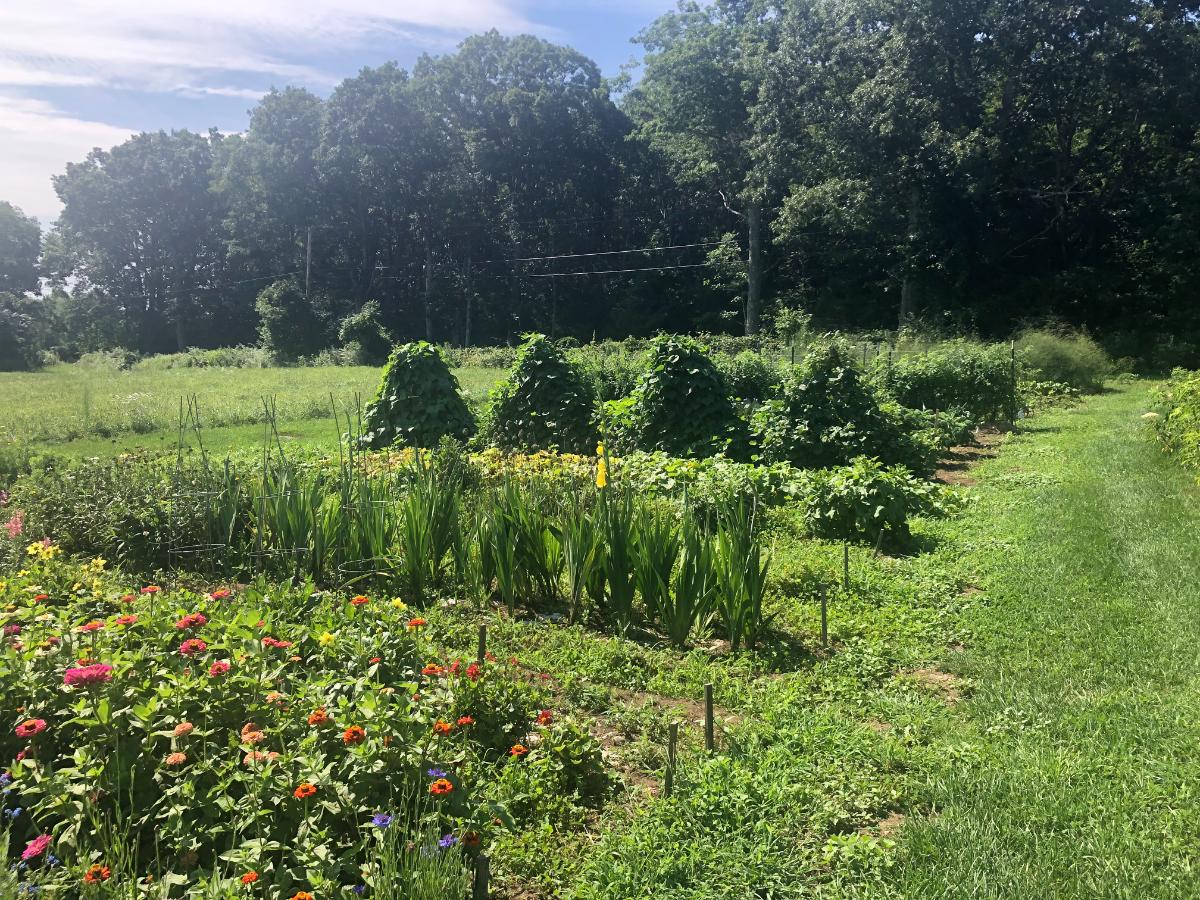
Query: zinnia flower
{"x": 305, "y": 790}
{"x": 221, "y": 594}
{"x": 518, "y": 750}
{"x": 192, "y": 646}
{"x": 302, "y": 895}
{"x": 219, "y": 668}
{"x": 473, "y": 671}
{"x": 327, "y": 638}
{"x": 432, "y": 669}
{"x": 355, "y": 734}
{"x": 30, "y": 727}
{"x": 250, "y": 878}
{"x": 192, "y": 620}
{"x": 183, "y": 729}
{"x": 12, "y": 630}
{"x": 275, "y": 642}
{"x": 414, "y": 624}
{"x": 464, "y": 721}
{"x": 442, "y": 727}
{"x": 252, "y": 734}
{"x": 318, "y": 716}
{"x": 255, "y": 756}
{"x": 399, "y": 604}
{"x": 126, "y": 620}
{"x": 36, "y": 847}
{"x": 151, "y": 589}
{"x": 176, "y": 759}
{"x": 91, "y": 626}
{"x": 97, "y": 873}
{"x": 545, "y": 717}
{"x": 360, "y": 600}
{"x": 441, "y": 787}
{"x": 98, "y": 673}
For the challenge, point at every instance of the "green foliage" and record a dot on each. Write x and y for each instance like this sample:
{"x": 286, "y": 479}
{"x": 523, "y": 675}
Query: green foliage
{"x": 682, "y": 404}
{"x": 956, "y": 374}
{"x": 826, "y": 415}
{"x": 288, "y": 325}
{"x": 1066, "y": 357}
{"x": 686, "y": 606}
{"x": 1176, "y": 419}
{"x": 418, "y": 402}
{"x": 741, "y": 569}
{"x": 544, "y": 403}
{"x": 20, "y": 247}
{"x": 865, "y": 500}
{"x": 750, "y": 375}
{"x": 363, "y": 335}
{"x": 20, "y": 338}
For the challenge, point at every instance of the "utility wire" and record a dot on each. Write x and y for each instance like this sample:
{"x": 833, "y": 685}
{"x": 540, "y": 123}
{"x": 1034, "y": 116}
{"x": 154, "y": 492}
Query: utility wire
{"x": 618, "y": 271}
{"x": 616, "y": 252}
{"x": 228, "y": 284}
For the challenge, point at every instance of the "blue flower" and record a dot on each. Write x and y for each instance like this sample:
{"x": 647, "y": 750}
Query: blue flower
{"x": 359, "y": 889}
{"x": 381, "y": 820}
{"x": 13, "y": 813}
{"x": 52, "y": 860}
{"x": 28, "y": 888}
{"x": 5, "y": 779}
{"x": 436, "y": 773}
{"x": 447, "y": 841}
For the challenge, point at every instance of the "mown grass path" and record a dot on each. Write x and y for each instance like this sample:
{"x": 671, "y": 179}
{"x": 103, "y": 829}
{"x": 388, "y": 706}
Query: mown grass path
{"x": 1073, "y": 767}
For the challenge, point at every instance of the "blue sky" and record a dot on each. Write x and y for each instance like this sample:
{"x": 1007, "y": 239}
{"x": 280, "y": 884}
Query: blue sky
{"x": 75, "y": 74}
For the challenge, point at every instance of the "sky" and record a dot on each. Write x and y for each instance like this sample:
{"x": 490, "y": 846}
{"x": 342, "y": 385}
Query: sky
{"x": 78, "y": 74}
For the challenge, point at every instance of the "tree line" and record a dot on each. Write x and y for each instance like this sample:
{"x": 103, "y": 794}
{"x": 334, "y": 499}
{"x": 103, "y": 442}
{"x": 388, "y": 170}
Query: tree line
{"x": 871, "y": 162}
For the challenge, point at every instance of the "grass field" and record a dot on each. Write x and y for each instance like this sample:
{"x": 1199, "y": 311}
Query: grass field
{"x": 84, "y": 412}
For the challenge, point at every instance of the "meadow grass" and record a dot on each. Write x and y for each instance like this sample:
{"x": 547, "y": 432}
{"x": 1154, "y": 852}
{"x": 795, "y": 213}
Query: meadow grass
{"x": 140, "y": 407}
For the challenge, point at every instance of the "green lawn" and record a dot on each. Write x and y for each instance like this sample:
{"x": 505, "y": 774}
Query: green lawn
{"x": 1072, "y": 770}
{"x": 89, "y": 412}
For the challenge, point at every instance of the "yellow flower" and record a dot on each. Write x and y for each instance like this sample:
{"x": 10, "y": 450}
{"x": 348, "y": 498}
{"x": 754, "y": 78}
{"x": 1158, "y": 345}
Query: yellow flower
{"x": 33, "y": 549}
{"x": 602, "y": 474}
{"x": 600, "y": 449}
{"x": 399, "y": 604}
{"x": 97, "y": 564}
{"x": 326, "y": 639}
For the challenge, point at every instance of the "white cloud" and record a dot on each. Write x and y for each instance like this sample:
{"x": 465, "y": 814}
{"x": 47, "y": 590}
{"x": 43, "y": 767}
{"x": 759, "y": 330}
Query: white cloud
{"x": 36, "y": 140}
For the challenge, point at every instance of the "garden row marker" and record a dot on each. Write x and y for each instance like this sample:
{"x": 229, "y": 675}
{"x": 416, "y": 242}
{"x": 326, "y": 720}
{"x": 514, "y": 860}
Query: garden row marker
{"x": 672, "y": 740}
{"x": 824, "y": 617}
{"x": 709, "y": 736}
{"x": 482, "y": 644}
{"x": 479, "y": 890}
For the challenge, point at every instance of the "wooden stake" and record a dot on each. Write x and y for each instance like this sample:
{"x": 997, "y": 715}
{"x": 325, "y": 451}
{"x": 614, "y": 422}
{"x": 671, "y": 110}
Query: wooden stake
{"x": 824, "y": 616}
{"x": 672, "y": 741}
{"x": 482, "y": 644}
{"x": 480, "y": 889}
{"x": 710, "y": 741}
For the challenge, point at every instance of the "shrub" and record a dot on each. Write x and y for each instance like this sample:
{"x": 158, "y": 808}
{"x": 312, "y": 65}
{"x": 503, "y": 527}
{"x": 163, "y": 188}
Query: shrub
{"x": 418, "y": 402}
{"x": 544, "y": 403}
{"x": 957, "y": 374}
{"x": 682, "y": 405}
{"x": 362, "y": 334}
{"x": 750, "y": 376}
{"x": 288, "y": 325}
{"x": 611, "y": 370}
{"x": 1177, "y": 417}
{"x": 826, "y": 415}
{"x": 19, "y": 338}
{"x": 1066, "y": 357}
{"x": 865, "y": 500}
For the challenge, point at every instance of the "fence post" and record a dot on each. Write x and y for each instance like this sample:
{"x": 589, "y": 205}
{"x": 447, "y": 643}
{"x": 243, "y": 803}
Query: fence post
{"x": 710, "y": 742}
{"x": 1012, "y": 364}
{"x": 672, "y": 741}
{"x": 482, "y": 644}
{"x": 480, "y": 890}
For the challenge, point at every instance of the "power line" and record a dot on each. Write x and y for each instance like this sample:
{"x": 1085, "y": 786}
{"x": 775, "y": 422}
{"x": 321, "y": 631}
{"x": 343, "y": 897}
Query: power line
{"x": 228, "y": 284}
{"x": 618, "y": 271}
{"x": 616, "y": 252}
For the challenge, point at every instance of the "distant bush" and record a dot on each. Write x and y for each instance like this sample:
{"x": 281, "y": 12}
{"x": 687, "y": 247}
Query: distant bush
{"x": 363, "y": 336}
{"x": 288, "y": 326}
{"x": 544, "y": 403}
{"x": 480, "y": 357}
{"x": 610, "y": 369}
{"x": 240, "y": 357}
{"x": 1066, "y": 357}
{"x": 109, "y": 360}
{"x": 19, "y": 336}
{"x": 1177, "y": 417}
{"x": 957, "y": 374}
{"x": 681, "y": 404}
{"x": 750, "y": 375}
{"x": 826, "y": 415}
{"x": 418, "y": 402}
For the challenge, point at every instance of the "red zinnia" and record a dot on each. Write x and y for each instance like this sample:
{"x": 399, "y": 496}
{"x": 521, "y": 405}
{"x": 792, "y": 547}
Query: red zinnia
{"x": 464, "y": 721}
{"x": 219, "y": 668}
{"x": 30, "y": 727}
{"x": 432, "y": 669}
{"x": 38, "y": 598}
{"x": 360, "y": 600}
{"x": 250, "y": 878}
{"x": 414, "y": 624}
{"x": 355, "y": 734}
{"x": 97, "y": 873}
{"x": 125, "y": 620}
{"x": 518, "y": 750}
{"x": 192, "y": 646}
{"x": 545, "y": 717}
{"x": 473, "y": 671}
{"x": 192, "y": 620}
{"x": 441, "y": 787}
{"x": 304, "y": 791}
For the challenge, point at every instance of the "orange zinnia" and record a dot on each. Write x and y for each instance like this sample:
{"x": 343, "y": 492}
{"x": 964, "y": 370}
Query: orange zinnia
{"x": 414, "y": 624}
{"x": 355, "y": 734}
{"x": 441, "y": 727}
{"x": 518, "y": 750}
{"x": 360, "y": 600}
{"x": 302, "y": 895}
{"x": 250, "y": 878}
{"x": 97, "y": 873}
{"x": 251, "y": 734}
{"x": 318, "y": 716}
{"x": 305, "y": 790}
{"x": 441, "y": 787}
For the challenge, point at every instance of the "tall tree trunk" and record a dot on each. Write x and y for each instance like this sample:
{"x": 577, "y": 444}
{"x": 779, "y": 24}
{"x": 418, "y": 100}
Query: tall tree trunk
{"x": 428, "y": 288}
{"x": 910, "y": 287}
{"x": 754, "y": 272}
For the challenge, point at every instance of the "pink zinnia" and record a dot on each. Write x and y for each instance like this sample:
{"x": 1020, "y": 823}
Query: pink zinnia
{"x": 192, "y": 646}
{"x": 12, "y": 630}
{"x": 220, "y": 594}
{"x": 91, "y": 626}
{"x": 98, "y": 673}
{"x": 183, "y": 729}
{"x": 36, "y": 847}
{"x": 31, "y": 727}
{"x": 151, "y": 589}
{"x": 192, "y": 620}
{"x": 217, "y": 669}
{"x": 125, "y": 620}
